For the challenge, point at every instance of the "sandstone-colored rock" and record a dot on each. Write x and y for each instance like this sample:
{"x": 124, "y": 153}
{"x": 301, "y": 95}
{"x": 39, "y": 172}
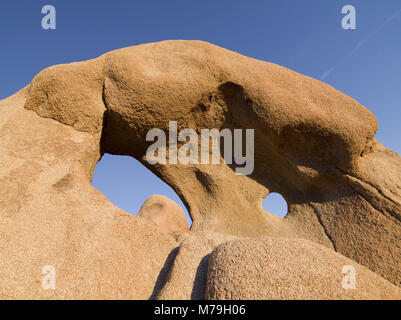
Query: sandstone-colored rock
{"x": 186, "y": 277}
{"x": 51, "y": 216}
{"x": 313, "y": 144}
{"x": 165, "y": 213}
{"x": 278, "y": 268}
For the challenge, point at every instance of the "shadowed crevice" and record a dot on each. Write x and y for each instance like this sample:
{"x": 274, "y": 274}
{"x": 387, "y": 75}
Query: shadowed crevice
{"x": 164, "y": 272}
{"x": 319, "y": 218}
{"x": 199, "y": 288}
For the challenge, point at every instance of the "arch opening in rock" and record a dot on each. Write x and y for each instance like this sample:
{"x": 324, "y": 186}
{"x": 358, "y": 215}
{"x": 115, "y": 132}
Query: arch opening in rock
{"x": 312, "y": 144}
{"x": 275, "y": 204}
{"x": 127, "y": 183}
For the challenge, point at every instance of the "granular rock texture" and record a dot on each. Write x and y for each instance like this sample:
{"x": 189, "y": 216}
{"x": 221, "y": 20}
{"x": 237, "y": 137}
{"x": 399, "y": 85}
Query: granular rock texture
{"x": 268, "y": 268}
{"x": 313, "y": 144}
{"x": 187, "y": 275}
{"x": 165, "y": 213}
{"x": 51, "y": 216}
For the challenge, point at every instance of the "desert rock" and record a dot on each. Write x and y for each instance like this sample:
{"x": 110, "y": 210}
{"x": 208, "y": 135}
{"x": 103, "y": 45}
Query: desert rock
{"x": 186, "y": 277}
{"x": 277, "y": 269}
{"x": 313, "y": 144}
{"x": 165, "y": 213}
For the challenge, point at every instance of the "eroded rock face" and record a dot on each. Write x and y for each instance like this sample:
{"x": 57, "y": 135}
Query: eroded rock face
{"x": 277, "y": 269}
{"x": 313, "y": 144}
{"x": 165, "y": 213}
{"x": 51, "y": 216}
{"x": 187, "y": 276}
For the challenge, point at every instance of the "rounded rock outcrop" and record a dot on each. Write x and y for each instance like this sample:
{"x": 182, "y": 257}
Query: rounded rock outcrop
{"x": 165, "y": 213}
{"x": 290, "y": 269}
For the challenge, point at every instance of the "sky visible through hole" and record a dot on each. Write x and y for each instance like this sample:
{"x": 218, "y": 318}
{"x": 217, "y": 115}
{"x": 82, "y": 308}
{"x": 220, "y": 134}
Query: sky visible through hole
{"x": 275, "y": 204}
{"x": 127, "y": 184}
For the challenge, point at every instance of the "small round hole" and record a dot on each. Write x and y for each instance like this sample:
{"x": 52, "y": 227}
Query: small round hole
{"x": 275, "y": 203}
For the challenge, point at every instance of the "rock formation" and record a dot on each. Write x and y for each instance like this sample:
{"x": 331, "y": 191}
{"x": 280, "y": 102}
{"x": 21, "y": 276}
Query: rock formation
{"x": 165, "y": 213}
{"x": 313, "y": 144}
{"x": 278, "y": 268}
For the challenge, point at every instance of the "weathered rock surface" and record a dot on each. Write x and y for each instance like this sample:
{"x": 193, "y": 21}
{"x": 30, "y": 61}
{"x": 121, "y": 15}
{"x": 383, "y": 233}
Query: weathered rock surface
{"x": 165, "y": 213}
{"x": 313, "y": 144}
{"x": 51, "y": 216}
{"x": 278, "y": 269}
{"x": 187, "y": 275}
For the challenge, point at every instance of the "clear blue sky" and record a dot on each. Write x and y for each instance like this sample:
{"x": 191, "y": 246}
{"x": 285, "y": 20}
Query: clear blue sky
{"x": 305, "y": 36}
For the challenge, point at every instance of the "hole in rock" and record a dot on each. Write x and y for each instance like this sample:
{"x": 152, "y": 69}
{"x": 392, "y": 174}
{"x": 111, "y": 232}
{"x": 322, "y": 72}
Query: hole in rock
{"x": 275, "y": 203}
{"x": 127, "y": 183}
